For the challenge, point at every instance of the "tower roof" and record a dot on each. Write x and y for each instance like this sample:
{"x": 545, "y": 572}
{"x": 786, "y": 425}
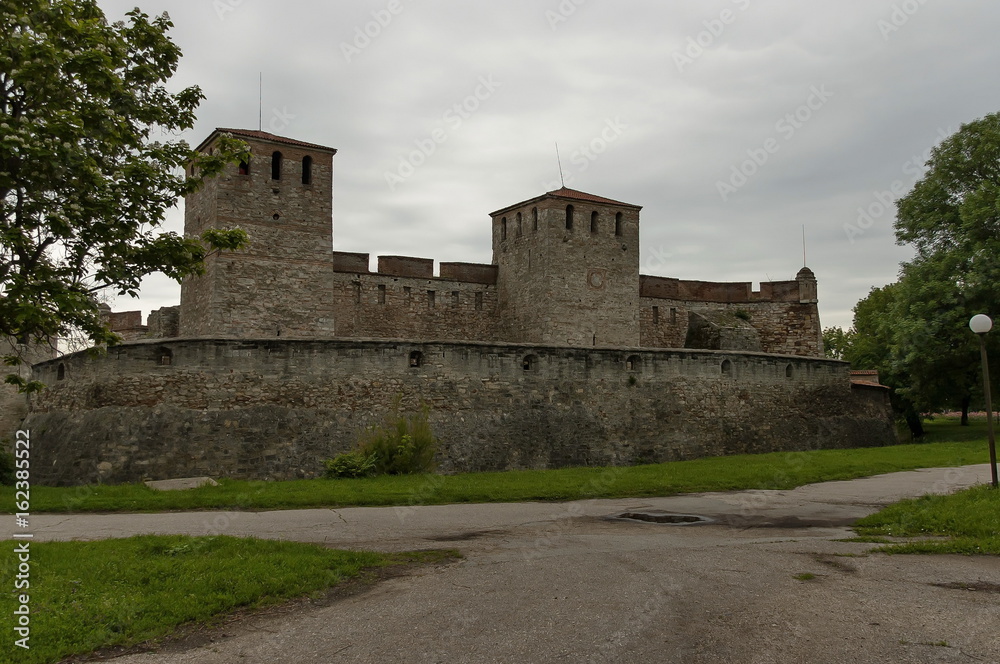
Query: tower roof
{"x": 265, "y": 136}
{"x": 570, "y": 194}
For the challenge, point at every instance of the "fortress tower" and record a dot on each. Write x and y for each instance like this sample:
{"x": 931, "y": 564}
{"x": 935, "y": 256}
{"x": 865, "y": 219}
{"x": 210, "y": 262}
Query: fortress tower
{"x": 568, "y": 266}
{"x": 283, "y": 198}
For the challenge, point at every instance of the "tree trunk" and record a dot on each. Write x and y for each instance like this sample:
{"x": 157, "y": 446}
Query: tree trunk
{"x": 916, "y": 426}
{"x": 965, "y": 411}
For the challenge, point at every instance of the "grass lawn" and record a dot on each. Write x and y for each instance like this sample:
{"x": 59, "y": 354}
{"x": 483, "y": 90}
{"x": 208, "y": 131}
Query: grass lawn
{"x": 966, "y": 522}
{"x": 119, "y": 593}
{"x": 946, "y": 445}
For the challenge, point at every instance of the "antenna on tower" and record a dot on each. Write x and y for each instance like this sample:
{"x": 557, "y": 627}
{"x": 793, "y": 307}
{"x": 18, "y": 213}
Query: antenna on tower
{"x": 562, "y": 180}
{"x": 260, "y": 102}
{"x": 804, "y": 263}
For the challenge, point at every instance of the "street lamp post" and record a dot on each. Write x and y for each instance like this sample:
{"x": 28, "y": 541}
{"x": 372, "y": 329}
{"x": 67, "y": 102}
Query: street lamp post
{"x": 981, "y": 324}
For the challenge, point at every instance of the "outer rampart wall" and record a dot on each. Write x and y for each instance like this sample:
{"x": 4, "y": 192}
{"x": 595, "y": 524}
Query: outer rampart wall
{"x": 276, "y": 408}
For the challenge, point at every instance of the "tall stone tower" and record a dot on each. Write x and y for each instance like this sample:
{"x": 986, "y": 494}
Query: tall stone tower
{"x": 283, "y": 199}
{"x": 568, "y": 270}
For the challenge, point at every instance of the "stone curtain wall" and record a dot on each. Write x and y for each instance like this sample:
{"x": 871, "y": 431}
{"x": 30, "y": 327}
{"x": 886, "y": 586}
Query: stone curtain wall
{"x": 276, "y": 409}
{"x": 13, "y": 404}
{"x": 785, "y": 313}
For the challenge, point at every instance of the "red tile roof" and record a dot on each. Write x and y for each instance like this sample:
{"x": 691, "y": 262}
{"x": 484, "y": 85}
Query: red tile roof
{"x": 265, "y": 136}
{"x": 571, "y": 194}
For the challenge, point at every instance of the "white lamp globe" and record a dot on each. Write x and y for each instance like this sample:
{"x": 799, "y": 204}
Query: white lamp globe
{"x": 981, "y": 324}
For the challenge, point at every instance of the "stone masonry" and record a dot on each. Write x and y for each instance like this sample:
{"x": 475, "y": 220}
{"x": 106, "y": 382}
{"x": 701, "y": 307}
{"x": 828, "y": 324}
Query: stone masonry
{"x": 557, "y": 353}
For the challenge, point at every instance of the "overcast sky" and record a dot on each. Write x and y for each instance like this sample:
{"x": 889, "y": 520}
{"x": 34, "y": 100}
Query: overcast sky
{"x": 733, "y": 123}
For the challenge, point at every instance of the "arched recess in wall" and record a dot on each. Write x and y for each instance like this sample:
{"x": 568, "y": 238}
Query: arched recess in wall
{"x": 276, "y": 165}
{"x": 727, "y": 368}
{"x": 530, "y": 363}
{"x": 165, "y": 355}
{"x": 307, "y": 170}
{"x": 416, "y": 358}
{"x": 633, "y": 363}
{"x": 789, "y": 371}
{"x": 569, "y": 217}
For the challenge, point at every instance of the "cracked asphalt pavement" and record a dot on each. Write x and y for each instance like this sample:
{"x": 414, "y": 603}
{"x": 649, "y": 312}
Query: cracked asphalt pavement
{"x": 766, "y": 581}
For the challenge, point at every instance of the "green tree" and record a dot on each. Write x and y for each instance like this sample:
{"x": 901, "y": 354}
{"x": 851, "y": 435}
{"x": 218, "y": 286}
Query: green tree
{"x": 952, "y": 218}
{"x": 86, "y": 175}
{"x": 836, "y": 342}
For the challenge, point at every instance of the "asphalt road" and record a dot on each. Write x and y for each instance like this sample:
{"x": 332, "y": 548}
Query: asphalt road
{"x": 568, "y": 582}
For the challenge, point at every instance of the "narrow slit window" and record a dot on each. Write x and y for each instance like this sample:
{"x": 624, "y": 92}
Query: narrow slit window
{"x": 519, "y": 224}
{"x": 503, "y": 229}
{"x": 244, "y": 167}
{"x": 431, "y": 296}
{"x": 727, "y": 368}
{"x": 534, "y": 219}
{"x": 276, "y": 166}
{"x": 381, "y": 293}
{"x": 454, "y": 298}
{"x": 307, "y": 170}
{"x": 416, "y": 358}
{"x": 593, "y": 221}
{"x": 569, "y": 217}
{"x": 618, "y": 223}
{"x": 61, "y": 372}
{"x": 479, "y": 301}
{"x": 656, "y": 315}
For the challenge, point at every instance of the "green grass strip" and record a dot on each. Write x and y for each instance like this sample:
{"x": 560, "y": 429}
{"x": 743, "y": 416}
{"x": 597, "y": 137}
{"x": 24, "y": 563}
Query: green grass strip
{"x": 119, "y": 593}
{"x": 781, "y": 470}
{"x": 967, "y": 522}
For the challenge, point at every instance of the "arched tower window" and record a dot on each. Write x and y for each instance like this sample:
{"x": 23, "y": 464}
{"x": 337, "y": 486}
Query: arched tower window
{"x": 633, "y": 363}
{"x": 416, "y": 358}
{"x": 529, "y": 363}
{"x": 618, "y": 223}
{"x": 593, "y": 221}
{"x": 61, "y": 372}
{"x": 245, "y": 166}
{"x": 569, "y": 217}
{"x": 503, "y": 229}
{"x": 519, "y": 224}
{"x": 307, "y": 170}
{"x": 276, "y": 166}
{"x": 534, "y": 219}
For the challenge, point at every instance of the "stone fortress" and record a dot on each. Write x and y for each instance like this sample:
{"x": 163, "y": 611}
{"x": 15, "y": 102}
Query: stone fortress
{"x": 557, "y": 353}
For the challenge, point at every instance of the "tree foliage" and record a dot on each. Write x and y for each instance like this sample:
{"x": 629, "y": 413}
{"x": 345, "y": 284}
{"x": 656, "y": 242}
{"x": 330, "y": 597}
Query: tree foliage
{"x": 87, "y": 166}
{"x": 836, "y": 342}
{"x": 915, "y": 332}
